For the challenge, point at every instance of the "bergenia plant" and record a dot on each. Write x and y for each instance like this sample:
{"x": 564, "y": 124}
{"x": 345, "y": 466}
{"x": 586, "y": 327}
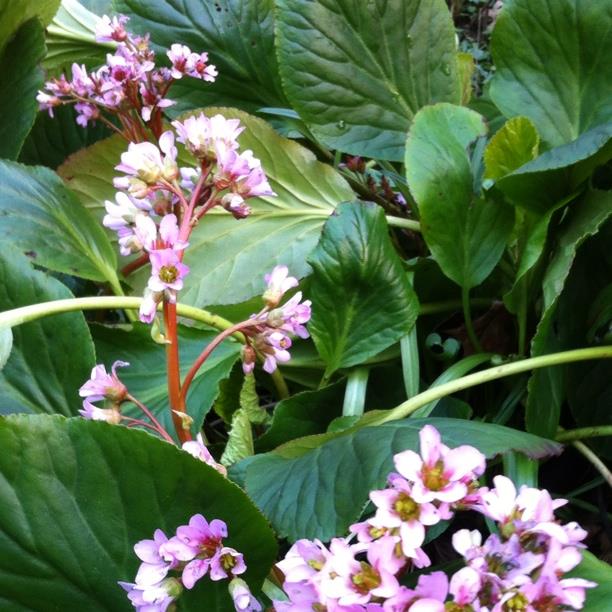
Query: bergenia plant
{"x": 306, "y": 306}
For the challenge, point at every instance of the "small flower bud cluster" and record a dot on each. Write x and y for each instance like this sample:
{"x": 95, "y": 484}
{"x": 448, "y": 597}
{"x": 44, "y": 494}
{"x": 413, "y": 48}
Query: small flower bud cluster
{"x": 270, "y": 330}
{"x": 519, "y": 569}
{"x": 128, "y": 82}
{"x": 106, "y": 387}
{"x": 170, "y": 565}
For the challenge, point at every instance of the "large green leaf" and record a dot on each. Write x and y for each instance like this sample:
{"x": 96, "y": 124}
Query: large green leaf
{"x": 228, "y": 258}
{"x": 466, "y": 233}
{"x": 146, "y": 377}
{"x": 541, "y": 184}
{"x": 76, "y": 495}
{"x": 550, "y": 59}
{"x": 13, "y": 14}
{"x": 51, "y": 357}
{"x": 357, "y": 72}
{"x": 546, "y": 386}
{"x": 362, "y": 299}
{"x": 319, "y": 493}
{"x": 40, "y": 216}
{"x": 238, "y": 36}
{"x": 20, "y": 79}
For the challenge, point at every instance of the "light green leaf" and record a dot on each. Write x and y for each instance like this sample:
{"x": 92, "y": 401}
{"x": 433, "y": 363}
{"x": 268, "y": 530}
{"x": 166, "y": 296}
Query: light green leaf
{"x": 249, "y": 401}
{"x": 146, "y": 377}
{"x": 20, "y": 79}
{"x": 466, "y": 67}
{"x": 240, "y": 442}
{"x": 238, "y": 36}
{"x": 551, "y": 59}
{"x": 357, "y": 72}
{"x": 466, "y": 233}
{"x": 51, "y": 357}
{"x": 515, "y": 144}
{"x": 71, "y": 38}
{"x": 319, "y": 493}
{"x": 546, "y": 386}
{"x": 228, "y": 258}
{"x": 362, "y": 299}
{"x": 542, "y": 183}
{"x": 77, "y": 495}
{"x": 39, "y": 215}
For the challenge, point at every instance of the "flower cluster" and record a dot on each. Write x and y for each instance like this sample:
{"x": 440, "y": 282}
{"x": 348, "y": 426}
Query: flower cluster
{"x": 520, "y": 568}
{"x": 127, "y": 83}
{"x": 155, "y": 193}
{"x": 269, "y": 331}
{"x": 170, "y": 565}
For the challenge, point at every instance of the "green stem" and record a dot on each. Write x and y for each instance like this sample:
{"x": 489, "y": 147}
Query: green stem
{"x": 584, "y": 432}
{"x": 595, "y": 461}
{"x": 355, "y": 392}
{"x": 471, "y": 380}
{"x": 521, "y": 469}
{"x": 282, "y": 390}
{"x": 410, "y": 363}
{"x": 467, "y": 315}
{"x": 392, "y": 221}
{"x": 522, "y": 318}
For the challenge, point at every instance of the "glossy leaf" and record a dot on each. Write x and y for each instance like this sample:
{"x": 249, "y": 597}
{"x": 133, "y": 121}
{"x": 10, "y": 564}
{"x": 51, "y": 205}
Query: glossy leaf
{"x": 357, "y": 72}
{"x": 546, "y": 386}
{"x": 77, "y": 495}
{"x": 592, "y": 568}
{"x": 228, "y": 258}
{"x": 240, "y": 441}
{"x": 51, "y": 357}
{"x": 362, "y": 299}
{"x": 546, "y": 54}
{"x": 38, "y": 215}
{"x": 544, "y": 182}
{"x": 146, "y": 375}
{"x": 14, "y": 14}
{"x": 514, "y": 145}
{"x": 319, "y": 493}
{"x": 238, "y": 36}
{"x": 466, "y": 233}
{"x": 20, "y": 79}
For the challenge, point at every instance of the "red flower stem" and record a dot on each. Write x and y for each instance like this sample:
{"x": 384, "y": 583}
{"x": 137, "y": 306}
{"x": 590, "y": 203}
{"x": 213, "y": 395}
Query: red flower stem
{"x": 157, "y": 425}
{"x": 185, "y": 229}
{"x": 174, "y": 375}
{"x": 133, "y": 422}
{"x": 205, "y": 354}
{"x": 135, "y": 264}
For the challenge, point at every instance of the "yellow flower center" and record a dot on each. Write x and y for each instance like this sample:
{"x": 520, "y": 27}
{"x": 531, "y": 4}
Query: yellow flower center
{"x": 367, "y": 579}
{"x": 518, "y": 602}
{"x": 168, "y": 274}
{"x": 433, "y": 477}
{"x": 406, "y": 508}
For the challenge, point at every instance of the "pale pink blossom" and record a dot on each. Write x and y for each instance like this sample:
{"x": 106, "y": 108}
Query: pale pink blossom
{"x": 278, "y": 283}
{"x": 198, "y": 449}
{"x": 111, "y": 30}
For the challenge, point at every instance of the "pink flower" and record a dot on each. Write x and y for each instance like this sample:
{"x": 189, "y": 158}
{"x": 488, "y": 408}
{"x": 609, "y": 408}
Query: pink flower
{"x": 198, "y": 449}
{"x": 184, "y": 62}
{"x": 201, "y": 536}
{"x": 109, "y": 30}
{"x": 242, "y": 597}
{"x": 274, "y": 346}
{"x": 167, "y": 271}
{"x": 303, "y": 560}
{"x": 153, "y": 598}
{"x": 93, "y": 413}
{"x": 202, "y": 134}
{"x": 47, "y": 102}
{"x": 155, "y": 565}
{"x": 104, "y": 385}
{"x": 148, "y": 307}
{"x": 439, "y": 473}
{"x": 278, "y": 283}
{"x": 226, "y": 563}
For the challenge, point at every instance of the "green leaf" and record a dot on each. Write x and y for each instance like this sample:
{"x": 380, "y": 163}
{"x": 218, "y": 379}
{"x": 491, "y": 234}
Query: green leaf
{"x": 51, "y": 357}
{"x": 546, "y": 386}
{"x": 544, "y": 182}
{"x": 71, "y": 38}
{"x": 321, "y": 492}
{"x": 515, "y": 144}
{"x": 357, "y": 72}
{"x": 53, "y": 139}
{"x": 238, "y": 36}
{"x": 466, "y": 67}
{"x": 466, "y": 233}
{"x": 362, "y": 299}
{"x": 240, "y": 442}
{"x": 6, "y": 345}
{"x": 228, "y": 258}
{"x": 546, "y": 54}
{"x": 303, "y": 414}
{"x": 249, "y": 401}
{"x": 39, "y": 215}
{"x": 20, "y": 79}
{"x": 77, "y": 495}
{"x": 146, "y": 376}
{"x": 591, "y": 568}
{"x": 14, "y": 14}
